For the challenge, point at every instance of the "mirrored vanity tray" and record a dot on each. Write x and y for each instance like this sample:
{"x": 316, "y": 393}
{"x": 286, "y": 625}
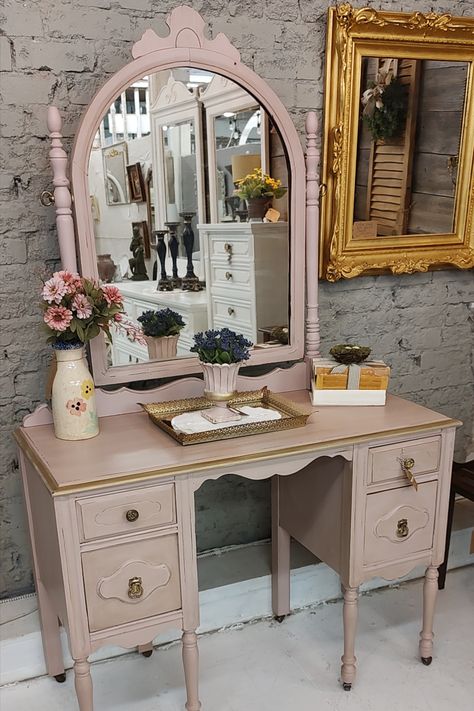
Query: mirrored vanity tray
{"x": 291, "y": 415}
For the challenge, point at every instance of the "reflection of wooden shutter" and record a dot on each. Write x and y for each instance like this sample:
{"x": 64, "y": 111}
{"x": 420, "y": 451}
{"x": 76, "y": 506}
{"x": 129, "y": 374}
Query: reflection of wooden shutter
{"x": 390, "y": 164}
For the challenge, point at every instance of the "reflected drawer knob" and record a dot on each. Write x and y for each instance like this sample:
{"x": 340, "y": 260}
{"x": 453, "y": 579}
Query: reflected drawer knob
{"x": 402, "y": 528}
{"x": 135, "y": 588}
{"x": 231, "y": 311}
{"x": 132, "y": 515}
{"x": 228, "y": 275}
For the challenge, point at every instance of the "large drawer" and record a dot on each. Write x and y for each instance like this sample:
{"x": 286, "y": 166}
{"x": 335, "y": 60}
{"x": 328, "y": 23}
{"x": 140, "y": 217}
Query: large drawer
{"x": 385, "y": 463}
{"x": 399, "y": 522}
{"x": 109, "y": 514}
{"x": 131, "y": 581}
{"x": 232, "y": 311}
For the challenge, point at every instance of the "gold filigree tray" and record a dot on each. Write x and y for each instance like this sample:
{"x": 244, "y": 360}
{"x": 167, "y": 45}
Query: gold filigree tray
{"x": 161, "y": 413}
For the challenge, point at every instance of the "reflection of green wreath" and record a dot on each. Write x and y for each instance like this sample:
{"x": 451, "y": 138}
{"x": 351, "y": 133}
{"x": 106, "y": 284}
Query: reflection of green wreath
{"x": 388, "y": 121}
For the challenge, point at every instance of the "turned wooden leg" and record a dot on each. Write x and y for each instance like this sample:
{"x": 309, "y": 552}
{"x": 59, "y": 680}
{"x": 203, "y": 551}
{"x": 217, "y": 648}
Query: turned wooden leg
{"x": 83, "y": 684}
{"x": 280, "y": 559}
{"x": 430, "y": 589}
{"x": 50, "y": 636}
{"x": 349, "y": 614}
{"x": 191, "y": 670}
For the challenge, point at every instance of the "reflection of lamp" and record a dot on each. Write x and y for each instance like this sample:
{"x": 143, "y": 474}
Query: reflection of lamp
{"x": 242, "y": 165}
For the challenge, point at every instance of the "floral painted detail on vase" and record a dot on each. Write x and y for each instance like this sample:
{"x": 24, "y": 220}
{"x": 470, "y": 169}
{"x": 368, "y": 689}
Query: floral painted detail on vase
{"x": 220, "y": 381}
{"x": 73, "y": 396}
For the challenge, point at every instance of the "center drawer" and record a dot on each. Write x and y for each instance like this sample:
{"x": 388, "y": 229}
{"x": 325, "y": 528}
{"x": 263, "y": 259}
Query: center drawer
{"x": 108, "y": 514}
{"x": 131, "y": 581}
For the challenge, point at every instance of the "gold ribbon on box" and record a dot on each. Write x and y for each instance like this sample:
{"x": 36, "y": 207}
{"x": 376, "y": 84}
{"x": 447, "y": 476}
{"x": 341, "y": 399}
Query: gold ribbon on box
{"x": 353, "y": 378}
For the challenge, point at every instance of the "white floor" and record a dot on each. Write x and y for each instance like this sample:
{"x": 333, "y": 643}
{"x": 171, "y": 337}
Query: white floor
{"x": 294, "y": 666}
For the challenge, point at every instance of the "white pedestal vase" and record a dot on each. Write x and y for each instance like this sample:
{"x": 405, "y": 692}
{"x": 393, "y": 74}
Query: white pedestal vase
{"x": 162, "y": 347}
{"x": 220, "y": 381}
{"x": 73, "y": 397}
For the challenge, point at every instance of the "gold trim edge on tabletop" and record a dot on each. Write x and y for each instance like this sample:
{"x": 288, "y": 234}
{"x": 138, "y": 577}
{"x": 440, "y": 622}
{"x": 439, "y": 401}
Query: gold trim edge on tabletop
{"x": 142, "y": 476}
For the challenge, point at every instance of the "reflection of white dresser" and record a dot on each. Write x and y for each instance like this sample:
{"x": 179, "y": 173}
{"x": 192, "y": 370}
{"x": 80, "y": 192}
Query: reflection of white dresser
{"x": 140, "y": 296}
{"x": 246, "y": 267}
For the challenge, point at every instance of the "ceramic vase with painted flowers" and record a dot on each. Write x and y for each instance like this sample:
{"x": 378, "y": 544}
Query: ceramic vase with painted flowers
{"x": 221, "y": 353}
{"x": 75, "y": 310}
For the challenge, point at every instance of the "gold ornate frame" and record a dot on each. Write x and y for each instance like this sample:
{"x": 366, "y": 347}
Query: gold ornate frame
{"x": 352, "y": 34}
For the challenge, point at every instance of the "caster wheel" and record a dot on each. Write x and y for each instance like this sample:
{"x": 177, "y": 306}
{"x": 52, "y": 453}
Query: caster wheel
{"x": 148, "y": 653}
{"x": 60, "y": 678}
{"x": 427, "y": 661}
{"x": 280, "y": 618}
{"x": 346, "y": 686}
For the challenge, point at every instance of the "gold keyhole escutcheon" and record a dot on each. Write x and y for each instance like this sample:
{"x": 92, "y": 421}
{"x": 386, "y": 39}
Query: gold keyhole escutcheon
{"x": 402, "y": 528}
{"x": 132, "y": 515}
{"x": 135, "y": 588}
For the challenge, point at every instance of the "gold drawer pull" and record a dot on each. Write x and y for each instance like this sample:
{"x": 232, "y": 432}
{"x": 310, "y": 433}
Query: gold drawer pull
{"x": 407, "y": 466}
{"x": 135, "y": 588}
{"x": 228, "y": 275}
{"x": 402, "y": 528}
{"x": 231, "y": 311}
{"x": 132, "y": 515}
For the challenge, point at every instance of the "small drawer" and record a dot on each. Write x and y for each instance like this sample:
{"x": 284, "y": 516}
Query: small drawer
{"x": 231, "y": 248}
{"x": 131, "y": 581}
{"x": 109, "y": 514}
{"x": 232, "y": 311}
{"x": 385, "y": 463}
{"x": 229, "y": 276}
{"x": 399, "y": 522}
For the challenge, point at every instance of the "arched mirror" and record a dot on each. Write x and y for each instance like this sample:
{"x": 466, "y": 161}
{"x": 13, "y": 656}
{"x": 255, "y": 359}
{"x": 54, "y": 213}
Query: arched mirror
{"x": 162, "y": 173}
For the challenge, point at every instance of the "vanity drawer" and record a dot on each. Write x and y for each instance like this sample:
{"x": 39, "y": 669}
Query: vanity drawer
{"x": 227, "y": 276}
{"x": 234, "y": 247}
{"x": 232, "y": 311}
{"x": 131, "y": 581}
{"x": 127, "y": 511}
{"x": 399, "y": 522}
{"x": 385, "y": 463}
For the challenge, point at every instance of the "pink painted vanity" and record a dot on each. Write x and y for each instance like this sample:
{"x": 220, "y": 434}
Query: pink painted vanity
{"x": 112, "y": 519}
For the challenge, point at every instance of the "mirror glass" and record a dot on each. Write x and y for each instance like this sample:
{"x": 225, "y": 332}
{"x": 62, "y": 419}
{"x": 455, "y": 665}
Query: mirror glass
{"x": 173, "y": 228}
{"x": 410, "y": 126}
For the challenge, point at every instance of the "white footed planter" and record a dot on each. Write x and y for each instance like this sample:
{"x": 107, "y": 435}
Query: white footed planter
{"x": 160, "y": 347}
{"x": 73, "y": 397}
{"x": 220, "y": 381}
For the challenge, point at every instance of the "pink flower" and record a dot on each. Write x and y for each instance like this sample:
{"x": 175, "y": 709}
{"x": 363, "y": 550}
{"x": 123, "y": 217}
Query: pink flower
{"x": 58, "y": 318}
{"x": 118, "y": 318}
{"x": 54, "y": 289}
{"x": 81, "y": 306}
{"x": 72, "y": 281}
{"x": 112, "y": 295}
{"x": 76, "y": 407}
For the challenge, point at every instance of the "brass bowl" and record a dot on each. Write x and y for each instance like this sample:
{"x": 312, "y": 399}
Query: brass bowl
{"x": 347, "y": 353}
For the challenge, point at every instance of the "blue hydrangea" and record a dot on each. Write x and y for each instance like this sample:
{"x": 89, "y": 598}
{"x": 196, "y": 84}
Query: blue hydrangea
{"x": 164, "y": 322}
{"x": 222, "y": 346}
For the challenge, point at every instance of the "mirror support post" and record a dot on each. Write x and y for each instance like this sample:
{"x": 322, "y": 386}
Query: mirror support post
{"x": 312, "y": 238}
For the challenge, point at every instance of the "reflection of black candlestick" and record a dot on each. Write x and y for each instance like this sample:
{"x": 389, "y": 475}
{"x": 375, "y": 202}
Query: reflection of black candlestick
{"x": 190, "y": 281}
{"x": 164, "y": 283}
{"x": 173, "y": 245}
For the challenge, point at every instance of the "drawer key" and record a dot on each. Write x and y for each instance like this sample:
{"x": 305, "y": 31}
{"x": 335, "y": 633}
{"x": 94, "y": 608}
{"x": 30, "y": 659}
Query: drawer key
{"x": 135, "y": 588}
{"x": 407, "y": 466}
{"x": 228, "y": 250}
{"x": 402, "y": 528}
{"x": 132, "y": 515}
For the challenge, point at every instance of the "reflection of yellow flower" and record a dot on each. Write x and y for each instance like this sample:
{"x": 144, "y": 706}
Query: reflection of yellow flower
{"x": 87, "y": 388}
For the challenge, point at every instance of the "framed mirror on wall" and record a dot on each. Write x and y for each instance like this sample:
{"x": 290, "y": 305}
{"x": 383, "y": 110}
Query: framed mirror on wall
{"x": 199, "y": 255}
{"x": 398, "y": 177}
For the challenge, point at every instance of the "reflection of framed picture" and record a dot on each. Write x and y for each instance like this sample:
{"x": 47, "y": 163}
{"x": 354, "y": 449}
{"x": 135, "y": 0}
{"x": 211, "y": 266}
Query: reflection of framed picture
{"x": 135, "y": 182}
{"x": 115, "y": 176}
{"x": 142, "y": 228}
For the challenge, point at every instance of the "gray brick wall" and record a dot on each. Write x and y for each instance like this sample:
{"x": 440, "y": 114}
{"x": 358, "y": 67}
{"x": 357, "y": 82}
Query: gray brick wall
{"x": 61, "y": 52}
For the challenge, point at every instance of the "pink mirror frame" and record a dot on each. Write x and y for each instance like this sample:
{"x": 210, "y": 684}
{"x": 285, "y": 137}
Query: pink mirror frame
{"x": 187, "y": 45}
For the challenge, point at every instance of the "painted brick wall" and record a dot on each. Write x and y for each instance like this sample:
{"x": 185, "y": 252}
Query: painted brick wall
{"x": 60, "y": 52}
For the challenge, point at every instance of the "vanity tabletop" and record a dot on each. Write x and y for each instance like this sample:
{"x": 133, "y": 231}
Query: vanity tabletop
{"x": 130, "y": 447}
